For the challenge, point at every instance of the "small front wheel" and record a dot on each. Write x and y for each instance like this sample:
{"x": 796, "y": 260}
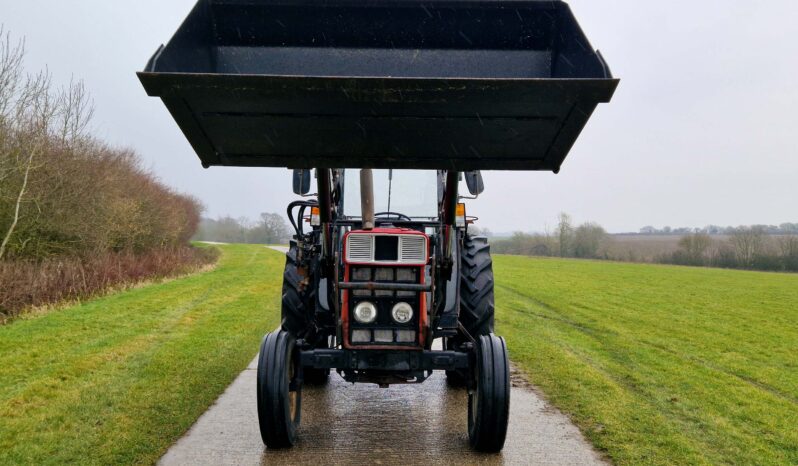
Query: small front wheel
{"x": 489, "y": 399}
{"x": 279, "y": 390}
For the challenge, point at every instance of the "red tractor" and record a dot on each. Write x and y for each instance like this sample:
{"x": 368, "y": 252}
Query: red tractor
{"x": 416, "y": 95}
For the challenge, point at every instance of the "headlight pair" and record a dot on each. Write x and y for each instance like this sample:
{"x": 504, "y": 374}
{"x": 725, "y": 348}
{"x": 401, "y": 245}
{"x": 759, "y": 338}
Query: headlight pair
{"x": 366, "y": 313}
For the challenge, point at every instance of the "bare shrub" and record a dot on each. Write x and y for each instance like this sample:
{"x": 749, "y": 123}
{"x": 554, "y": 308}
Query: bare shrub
{"x": 270, "y": 229}
{"x": 565, "y": 234}
{"x": 65, "y": 193}
{"x": 28, "y": 283}
{"x": 587, "y": 240}
{"x": 748, "y": 242}
{"x": 542, "y": 245}
{"x": 694, "y": 249}
{"x": 788, "y": 246}
{"x": 76, "y": 216}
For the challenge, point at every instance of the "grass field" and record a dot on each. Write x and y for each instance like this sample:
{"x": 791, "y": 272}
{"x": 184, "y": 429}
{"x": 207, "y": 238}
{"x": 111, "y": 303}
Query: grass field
{"x": 660, "y": 365}
{"x": 118, "y": 379}
{"x": 657, "y": 365}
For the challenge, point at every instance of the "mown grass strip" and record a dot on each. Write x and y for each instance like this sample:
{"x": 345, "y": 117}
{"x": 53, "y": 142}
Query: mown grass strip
{"x": 117, "y": 380}
{"x": 660, "y": 365}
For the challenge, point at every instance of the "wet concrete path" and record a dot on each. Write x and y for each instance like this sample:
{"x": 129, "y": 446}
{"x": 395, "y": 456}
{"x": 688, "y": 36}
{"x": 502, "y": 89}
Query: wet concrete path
{"x": 363, "y": 424}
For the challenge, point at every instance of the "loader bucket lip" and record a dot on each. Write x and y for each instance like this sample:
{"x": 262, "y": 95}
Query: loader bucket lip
{"x": 152, "y": 87}
{"x": 162, "y": 84}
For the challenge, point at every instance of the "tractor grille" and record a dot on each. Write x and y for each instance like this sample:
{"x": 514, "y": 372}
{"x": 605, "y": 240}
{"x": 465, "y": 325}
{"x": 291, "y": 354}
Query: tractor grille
{"x": 386, "y": 249}
{"x": 412, "y": 249}
{"x": 360, "y": 248}
{"x": 385, "y": 331}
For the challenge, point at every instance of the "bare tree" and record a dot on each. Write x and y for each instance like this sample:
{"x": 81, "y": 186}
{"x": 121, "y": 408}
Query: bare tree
{"x": 32, "y": 119}
{"x": 274, "y": 227}
{"x": 747, "y": 242}
{"x": 788, "y": 245}
{"x": 695, "y": 248}
{"x": 77, "y": 111}
{"x": 27, "y": 109}
{"x": 565, "y": 233}
{"x": 587, "y": 240}
{"x": 11, "y": 57}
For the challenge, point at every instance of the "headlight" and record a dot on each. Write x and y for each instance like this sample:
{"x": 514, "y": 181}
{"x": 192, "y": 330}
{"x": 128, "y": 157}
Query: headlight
{"x": 365, "y": 313}
{"x": 402, "y": 313}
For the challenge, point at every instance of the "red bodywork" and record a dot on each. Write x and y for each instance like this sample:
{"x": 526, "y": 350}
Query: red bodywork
{"x": 422, "y": 324}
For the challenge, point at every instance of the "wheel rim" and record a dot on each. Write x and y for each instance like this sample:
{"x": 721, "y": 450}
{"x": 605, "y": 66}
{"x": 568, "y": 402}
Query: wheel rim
{"x": 292, "y": 394}
{"x": 473, "y": 398}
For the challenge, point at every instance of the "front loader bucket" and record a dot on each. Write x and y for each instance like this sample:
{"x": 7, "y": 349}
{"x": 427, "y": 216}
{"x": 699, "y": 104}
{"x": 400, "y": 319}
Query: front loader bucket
{"x": 437, "y": 84}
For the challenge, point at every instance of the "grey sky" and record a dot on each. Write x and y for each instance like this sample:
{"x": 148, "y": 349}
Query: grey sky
{"x": 702, "y": 129}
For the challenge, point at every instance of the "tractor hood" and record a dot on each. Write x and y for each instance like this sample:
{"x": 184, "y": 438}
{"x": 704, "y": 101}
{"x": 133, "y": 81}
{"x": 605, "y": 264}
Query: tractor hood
{"x": 438, "y": 84}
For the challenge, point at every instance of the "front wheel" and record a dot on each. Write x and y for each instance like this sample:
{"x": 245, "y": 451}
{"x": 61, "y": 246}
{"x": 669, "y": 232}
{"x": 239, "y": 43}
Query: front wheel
{"x": 489, "y": 400}
{"x": 279, "y": 390}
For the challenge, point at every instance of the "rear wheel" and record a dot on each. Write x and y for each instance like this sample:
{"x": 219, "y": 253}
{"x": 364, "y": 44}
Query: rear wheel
{"x": 476, "y": 286}
{"x": 279, "y": 390}
{"x": 476, "y": 296}
{"x": 489, "y": 401}
{"x": 300, "y": 291}
{"x": 299, "y": 296}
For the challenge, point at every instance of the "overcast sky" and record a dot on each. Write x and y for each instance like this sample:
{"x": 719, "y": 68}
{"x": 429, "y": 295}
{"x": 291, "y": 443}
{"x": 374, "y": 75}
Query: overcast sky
{"x": 702, "y": 129}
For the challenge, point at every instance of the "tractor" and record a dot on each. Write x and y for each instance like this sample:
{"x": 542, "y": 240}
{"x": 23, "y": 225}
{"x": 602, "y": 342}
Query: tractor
{"x": 382, "y": 108}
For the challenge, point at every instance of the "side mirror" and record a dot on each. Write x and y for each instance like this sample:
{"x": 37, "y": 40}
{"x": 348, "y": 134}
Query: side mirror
{"x": 476, "y": 185}
{"x": 301, "y": 181}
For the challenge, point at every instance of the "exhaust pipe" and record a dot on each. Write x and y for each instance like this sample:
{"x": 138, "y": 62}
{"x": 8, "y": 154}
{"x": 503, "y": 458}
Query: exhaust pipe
{"x": 367, "y": 198}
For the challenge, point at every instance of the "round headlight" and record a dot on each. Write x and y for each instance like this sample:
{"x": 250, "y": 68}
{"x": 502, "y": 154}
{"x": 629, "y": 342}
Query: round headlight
{"x": 402, "y": 313}
{"x": 365, "y": 312}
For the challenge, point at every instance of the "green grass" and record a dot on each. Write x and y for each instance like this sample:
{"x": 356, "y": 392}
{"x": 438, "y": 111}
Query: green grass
{"x": 660, "y": 365}
{"x": 117, "y": 380}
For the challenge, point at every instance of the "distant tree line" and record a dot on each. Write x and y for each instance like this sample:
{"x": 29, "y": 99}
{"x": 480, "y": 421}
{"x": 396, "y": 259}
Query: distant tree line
{"x": 268, "y": 229}
{"x": 715, "y": 230}
{"x": 756, "y": 247}
{"x": 568, "y": 240}
{"x": 749, "y": 247}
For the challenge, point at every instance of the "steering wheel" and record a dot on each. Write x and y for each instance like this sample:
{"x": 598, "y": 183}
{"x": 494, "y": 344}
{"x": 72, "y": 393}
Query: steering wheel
{"x": 394, "y": 214}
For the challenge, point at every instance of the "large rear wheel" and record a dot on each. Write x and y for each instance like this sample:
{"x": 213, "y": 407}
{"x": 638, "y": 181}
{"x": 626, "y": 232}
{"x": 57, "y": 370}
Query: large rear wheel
{"x": 489, "y": 399}
{"x": 476, "y": 286}
{"x": 279, "y": 390}
{"x": 299, "y": 307}
{"x": 299, "y": 295}
{"x": 476, "y": 296}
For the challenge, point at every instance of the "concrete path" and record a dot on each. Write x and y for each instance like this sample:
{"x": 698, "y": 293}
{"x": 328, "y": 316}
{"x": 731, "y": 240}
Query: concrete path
{"x": 363, "y": 424}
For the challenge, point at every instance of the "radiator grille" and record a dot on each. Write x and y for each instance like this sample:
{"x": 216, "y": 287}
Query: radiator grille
{"x": 412, "y": 249}
{"x": 360, "y": 248}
